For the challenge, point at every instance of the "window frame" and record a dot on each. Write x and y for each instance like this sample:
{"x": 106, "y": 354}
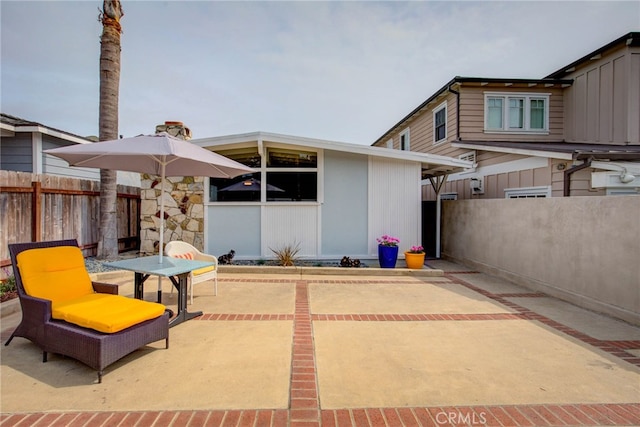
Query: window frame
{"x": 406, "y": 144}
{"x": 505, "y": 118}
{"x": 440, "y": 108}
{"x": 263, "y": 170}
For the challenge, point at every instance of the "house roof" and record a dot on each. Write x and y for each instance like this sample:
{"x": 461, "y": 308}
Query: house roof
{"x": 432, "y": 165}
{"x": 631, "y": 39}
{"x": 9, "y": 125}
{"x": 458, "y": 80}
{"x": 557, "y": 150}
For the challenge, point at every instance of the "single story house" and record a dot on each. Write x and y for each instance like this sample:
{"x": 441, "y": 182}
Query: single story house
{"x": 22, "y": 143}
{"x": 332, "y": 199}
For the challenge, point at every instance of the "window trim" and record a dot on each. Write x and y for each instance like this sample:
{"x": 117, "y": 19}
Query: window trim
{"x": 527, "y": 97}
{"x": 264, "y": 169}
{"x": 407, "y": 134}
{"x": 436, "y": 110}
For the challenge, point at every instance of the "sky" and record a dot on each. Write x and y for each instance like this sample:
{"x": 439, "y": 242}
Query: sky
{"x": 339, "y": 70}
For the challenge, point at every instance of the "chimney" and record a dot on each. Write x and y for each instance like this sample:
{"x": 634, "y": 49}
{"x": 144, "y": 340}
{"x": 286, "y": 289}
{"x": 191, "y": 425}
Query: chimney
{"x": 177, "y": 129}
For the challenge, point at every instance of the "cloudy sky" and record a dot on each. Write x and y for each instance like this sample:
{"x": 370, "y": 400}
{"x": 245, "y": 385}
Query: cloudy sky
{"x": 339, "y": 70}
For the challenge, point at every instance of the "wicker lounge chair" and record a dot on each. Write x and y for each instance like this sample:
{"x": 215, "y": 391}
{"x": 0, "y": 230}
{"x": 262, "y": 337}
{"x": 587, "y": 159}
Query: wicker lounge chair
{"x": 89, "y": 346}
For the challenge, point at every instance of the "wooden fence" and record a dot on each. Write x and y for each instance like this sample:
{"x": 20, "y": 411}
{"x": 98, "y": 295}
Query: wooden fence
{"x": 45, "y": 207}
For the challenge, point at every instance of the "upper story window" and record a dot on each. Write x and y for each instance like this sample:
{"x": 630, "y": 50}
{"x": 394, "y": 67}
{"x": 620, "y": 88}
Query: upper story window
{"x": 516, "y": 112}
{"x": 440, "y": 123}
{"x": 405, "y": 141}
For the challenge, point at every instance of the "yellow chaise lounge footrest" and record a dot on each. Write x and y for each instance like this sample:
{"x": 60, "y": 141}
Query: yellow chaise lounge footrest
{"x": 106, "y": 313}
{"x": 59, "y": 275}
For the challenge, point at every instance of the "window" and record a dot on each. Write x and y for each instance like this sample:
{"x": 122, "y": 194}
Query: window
{"x": 527, "y": 193}
{"x": 245, "y": 188}
{"x": 404, "y": 140}
{"x": 449, "y": 196}
{"x": 289, "y": 176}
{"x": 516, "y": 112}
{"x": 440, "y": 123}
{"x": 390, "y": 143}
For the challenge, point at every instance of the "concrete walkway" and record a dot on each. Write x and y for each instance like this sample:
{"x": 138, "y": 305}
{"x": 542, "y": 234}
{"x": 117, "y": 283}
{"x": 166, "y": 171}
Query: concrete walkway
{"x": 449, "y": 347}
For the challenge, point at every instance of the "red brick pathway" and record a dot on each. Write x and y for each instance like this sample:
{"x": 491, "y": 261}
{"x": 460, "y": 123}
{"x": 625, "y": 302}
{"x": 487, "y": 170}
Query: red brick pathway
{"x": 304, "y": 405}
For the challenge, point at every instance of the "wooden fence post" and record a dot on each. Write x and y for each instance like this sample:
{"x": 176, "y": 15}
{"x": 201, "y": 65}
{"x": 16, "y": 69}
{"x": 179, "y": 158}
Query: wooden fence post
{"x": 36, "y": 211}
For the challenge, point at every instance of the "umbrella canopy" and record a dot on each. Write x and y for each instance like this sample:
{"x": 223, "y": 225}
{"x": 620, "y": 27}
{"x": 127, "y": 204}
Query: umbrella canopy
{"x": 149, "y": 154}
{"x": 251, "y": 184}
{"x": 160, "y": 154}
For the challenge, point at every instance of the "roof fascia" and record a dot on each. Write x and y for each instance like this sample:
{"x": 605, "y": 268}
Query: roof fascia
{"x": 460, "y": 80}
{"x": 631, "y": 167}
{"x": 510, "y": 150}
{"x": 46, "y": 131}
{"x": 423, "y": 158}
{"x": 629, "y": 39}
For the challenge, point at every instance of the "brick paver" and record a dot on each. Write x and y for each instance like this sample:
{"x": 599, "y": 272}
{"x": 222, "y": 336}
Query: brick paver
{"x": 304, "y": 402}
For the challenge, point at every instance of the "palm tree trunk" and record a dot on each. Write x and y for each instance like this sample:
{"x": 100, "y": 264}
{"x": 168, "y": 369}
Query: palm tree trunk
{"x": 108, "y": 123}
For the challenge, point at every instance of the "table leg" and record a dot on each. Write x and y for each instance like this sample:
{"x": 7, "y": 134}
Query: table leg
{"x": 181, "y": 286}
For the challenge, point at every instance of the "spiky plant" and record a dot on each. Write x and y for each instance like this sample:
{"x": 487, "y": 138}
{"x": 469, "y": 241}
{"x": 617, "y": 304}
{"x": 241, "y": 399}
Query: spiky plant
{"x": 286, "y": 255}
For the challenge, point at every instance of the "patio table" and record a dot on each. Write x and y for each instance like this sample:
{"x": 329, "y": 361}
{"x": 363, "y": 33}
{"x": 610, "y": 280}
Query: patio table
{"x": 176, "y": 269}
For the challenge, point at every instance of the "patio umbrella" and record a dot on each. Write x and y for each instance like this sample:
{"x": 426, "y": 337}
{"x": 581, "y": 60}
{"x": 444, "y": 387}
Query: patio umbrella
{"x": 160, "y": 154}
{"x": 251, "y": 184}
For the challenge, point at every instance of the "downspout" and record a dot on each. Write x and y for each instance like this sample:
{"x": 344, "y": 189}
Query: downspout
{"x": 572, "y": 170}
{"x": 457, "y": 94}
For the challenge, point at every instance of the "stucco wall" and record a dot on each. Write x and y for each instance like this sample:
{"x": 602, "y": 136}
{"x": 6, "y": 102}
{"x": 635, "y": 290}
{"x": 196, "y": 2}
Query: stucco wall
{"x": 585, "y": 250}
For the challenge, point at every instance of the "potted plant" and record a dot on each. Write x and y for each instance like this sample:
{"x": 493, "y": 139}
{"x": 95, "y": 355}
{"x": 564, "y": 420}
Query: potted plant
{"x": 387, "y": 251}
{"x": 414, "y": 257}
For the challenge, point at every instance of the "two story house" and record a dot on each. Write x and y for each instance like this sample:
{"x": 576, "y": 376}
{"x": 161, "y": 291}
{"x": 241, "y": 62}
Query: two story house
{"x": 575, "y": 132}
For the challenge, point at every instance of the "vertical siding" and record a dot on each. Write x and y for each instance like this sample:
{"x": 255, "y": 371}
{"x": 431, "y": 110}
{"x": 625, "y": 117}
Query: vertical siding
{"x": 394, "y": 202}
{"x": 290, "y": 225}
{"x": 603, "y": 104}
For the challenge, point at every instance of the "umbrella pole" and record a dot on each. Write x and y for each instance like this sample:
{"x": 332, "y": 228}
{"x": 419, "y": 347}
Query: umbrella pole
{"x": 161, "y": 213}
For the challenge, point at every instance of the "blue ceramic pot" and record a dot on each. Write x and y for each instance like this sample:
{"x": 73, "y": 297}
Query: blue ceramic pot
{"x": 387, "y": 256}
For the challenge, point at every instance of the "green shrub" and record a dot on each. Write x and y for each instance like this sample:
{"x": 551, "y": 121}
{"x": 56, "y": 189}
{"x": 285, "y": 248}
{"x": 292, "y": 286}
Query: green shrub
{"x": 8, "y": 285}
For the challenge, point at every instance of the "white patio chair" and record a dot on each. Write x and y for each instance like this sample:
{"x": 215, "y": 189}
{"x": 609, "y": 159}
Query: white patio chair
{"x": 177, "y": 249}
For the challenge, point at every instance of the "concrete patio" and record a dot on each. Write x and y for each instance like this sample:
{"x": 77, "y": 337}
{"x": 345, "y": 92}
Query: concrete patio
{"x": 448, "y": 347}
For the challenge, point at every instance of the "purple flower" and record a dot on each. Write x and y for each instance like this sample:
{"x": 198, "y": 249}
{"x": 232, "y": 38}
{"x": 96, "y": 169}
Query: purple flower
{"x": 386, "y": 240}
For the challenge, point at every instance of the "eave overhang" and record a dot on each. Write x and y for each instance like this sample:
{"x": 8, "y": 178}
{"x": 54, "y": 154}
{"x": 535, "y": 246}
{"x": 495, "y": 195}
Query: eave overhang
{"x": 557, "y": 150}
{"x": 431, "y": 164}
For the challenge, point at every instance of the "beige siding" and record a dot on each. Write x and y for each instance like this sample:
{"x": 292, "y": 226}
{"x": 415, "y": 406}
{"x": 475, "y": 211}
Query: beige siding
{"x": 496, "y": 184}
{"x": 472, "y": 114}
{"x": 603, "y": 104}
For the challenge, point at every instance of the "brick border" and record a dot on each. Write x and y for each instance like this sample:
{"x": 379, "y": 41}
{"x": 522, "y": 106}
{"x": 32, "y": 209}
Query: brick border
{"x": 304, "y": 404}
{"x": 615, "y": 348}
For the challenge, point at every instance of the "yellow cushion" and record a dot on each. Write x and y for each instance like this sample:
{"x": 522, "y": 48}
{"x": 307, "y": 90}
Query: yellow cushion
{"x": 57, "y": 274}
{"x": 106, "y": 313}
{"x": 203, "y": 270}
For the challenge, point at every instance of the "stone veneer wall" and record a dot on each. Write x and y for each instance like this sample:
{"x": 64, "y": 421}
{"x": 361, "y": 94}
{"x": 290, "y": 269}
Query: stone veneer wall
{"x": 183, "y": 204}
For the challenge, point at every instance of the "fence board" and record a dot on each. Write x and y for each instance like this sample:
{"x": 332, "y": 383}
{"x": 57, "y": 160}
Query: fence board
{"x": 66, "y": 208}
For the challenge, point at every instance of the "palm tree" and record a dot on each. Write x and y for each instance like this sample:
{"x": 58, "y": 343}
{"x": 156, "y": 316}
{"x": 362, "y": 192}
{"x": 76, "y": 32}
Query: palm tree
{"x": 108, "y": 123}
